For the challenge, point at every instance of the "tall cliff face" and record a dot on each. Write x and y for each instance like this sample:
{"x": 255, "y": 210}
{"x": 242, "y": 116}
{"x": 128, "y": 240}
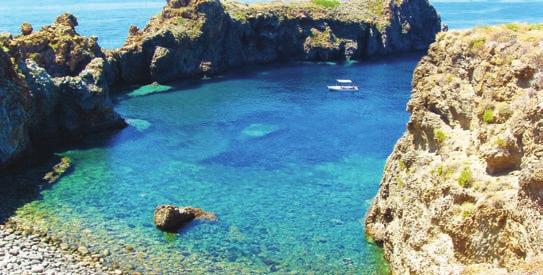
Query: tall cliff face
{"x": 463, "y": 188}
{"x": 52, "y": 84}
{"x": 192, "y": 38}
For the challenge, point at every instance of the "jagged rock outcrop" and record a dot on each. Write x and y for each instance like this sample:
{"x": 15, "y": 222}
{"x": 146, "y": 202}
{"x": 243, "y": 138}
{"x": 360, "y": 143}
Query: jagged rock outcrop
{"x": 52, "y": 83}
{"x": 192, "y": 38}
{"x": 463, "y": 188}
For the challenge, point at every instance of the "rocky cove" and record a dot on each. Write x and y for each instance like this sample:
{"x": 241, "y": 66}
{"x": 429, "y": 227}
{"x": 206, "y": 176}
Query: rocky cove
{"x": 56, "y": 88}
{"x": 57, "y": 82}
{"x": 460, "y": 193}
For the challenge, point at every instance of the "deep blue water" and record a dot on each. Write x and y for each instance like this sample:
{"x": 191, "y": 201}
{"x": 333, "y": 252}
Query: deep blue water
{"x": 289, "y": 168}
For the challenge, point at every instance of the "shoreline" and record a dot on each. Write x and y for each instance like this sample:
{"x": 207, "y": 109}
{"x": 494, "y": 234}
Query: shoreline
{"x": 26, "y": 253}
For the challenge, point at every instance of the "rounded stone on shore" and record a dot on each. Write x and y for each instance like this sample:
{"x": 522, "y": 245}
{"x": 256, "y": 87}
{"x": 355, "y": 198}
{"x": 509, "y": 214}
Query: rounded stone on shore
{"x": 83, "y": 250}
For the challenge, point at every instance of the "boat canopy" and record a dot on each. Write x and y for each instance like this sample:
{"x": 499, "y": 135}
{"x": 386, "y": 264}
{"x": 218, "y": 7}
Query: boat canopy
{"x": 344, "y": 81}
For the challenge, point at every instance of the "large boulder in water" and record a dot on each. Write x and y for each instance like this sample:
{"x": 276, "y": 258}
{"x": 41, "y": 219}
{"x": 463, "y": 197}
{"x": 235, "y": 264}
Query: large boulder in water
{"x": 171, "y": 218}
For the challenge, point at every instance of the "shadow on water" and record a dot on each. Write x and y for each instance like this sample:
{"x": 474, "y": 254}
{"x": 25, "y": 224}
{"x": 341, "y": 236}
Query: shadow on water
{"x": 23, "y": 183}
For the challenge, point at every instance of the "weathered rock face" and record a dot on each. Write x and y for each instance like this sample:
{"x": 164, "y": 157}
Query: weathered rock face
{"x": 203, "y": 37}
{"x": 52, "y": 83}
{"x": 463, "y": 189}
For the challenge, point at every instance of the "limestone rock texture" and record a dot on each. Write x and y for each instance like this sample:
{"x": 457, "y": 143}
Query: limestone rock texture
{"x": 194, "y": 38}
{"x": 53, "y": 83}
{"x": 462, "y": 191}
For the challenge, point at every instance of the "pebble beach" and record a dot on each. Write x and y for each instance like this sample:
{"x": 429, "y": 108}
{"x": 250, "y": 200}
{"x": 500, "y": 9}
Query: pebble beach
{"x": 29, "y": 254}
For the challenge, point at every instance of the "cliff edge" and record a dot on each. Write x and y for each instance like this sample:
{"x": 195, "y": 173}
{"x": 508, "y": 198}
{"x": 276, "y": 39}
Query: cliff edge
{"x": 462, "y": 191}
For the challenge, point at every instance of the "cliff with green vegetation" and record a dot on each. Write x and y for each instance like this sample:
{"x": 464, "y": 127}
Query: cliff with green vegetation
{"x": 462, "y": 191}
{"x": 193, "y": 38}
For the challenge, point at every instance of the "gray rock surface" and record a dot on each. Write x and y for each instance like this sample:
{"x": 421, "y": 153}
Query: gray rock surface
{"x": 28, "y": 254}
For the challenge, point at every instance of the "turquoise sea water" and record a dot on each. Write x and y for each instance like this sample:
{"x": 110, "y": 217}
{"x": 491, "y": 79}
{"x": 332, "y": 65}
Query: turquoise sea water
{"x": 289, "y": 168}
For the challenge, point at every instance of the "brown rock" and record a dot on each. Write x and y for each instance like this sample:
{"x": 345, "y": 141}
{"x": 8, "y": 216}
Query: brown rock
{"x": 67, "y": 19}
{"x": 133, "y": 30}
{"x": 170, "y": 218}
{"x": 502, "y": 158}
{"x": 531, "y": 183}
{"x": 175, "y": 4}
{"x": 26, "y": 28}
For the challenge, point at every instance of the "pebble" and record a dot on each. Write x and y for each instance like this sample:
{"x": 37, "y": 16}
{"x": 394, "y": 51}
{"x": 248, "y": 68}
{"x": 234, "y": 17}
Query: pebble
{"x": 83, "y": 250}
{"x": 38, "y": 268}
{"x": 27, "y": 254}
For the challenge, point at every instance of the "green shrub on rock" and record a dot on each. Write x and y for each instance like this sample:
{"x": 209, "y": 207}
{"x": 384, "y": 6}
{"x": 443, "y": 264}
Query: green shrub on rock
{"x": 465, "y": 178}
{"x": 488, "y": 116}
{"x": 439, "y": 136}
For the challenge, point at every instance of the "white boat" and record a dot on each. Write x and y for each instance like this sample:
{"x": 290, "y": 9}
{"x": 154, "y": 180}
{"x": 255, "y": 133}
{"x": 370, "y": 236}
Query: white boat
{"x": 343, "y": 85}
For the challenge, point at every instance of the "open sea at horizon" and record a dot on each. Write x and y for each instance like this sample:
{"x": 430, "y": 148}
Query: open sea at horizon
{"x": 289, "y": 168}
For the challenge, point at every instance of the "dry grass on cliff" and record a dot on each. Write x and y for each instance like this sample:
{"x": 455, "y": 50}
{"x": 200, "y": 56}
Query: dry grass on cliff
{"x": 370, "y": 11}
{"x": 512, "y": 32}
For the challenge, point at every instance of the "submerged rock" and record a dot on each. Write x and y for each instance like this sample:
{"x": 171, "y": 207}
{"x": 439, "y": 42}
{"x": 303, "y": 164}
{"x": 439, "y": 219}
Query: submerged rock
{"x": 58, "y": 170}
{"x": 462, "y": 191}
{"x": 171, "y": 218}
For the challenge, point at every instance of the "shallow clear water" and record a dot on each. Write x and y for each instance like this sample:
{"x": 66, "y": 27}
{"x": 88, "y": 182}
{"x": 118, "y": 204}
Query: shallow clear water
{"x": 288, "y": 167}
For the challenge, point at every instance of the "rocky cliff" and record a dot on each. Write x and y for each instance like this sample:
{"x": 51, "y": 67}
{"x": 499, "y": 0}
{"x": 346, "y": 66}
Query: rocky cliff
{"x": 193, "y": 38}
{"x": 462, "y": 191}
{"x": 53, "y": 83}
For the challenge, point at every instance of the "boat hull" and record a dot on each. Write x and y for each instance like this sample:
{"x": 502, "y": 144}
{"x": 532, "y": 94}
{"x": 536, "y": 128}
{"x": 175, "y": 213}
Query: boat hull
{"x": 343, "y": 89}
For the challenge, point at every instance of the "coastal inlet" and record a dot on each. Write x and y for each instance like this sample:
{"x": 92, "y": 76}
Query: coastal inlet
{"x": 288, "y": 167}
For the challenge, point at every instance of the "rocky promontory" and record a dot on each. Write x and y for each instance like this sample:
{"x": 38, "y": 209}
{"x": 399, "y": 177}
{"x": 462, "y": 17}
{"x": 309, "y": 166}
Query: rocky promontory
{"x": 194, "y": 38}
{"x": 462, "y": 191}
{"x": 53, "y": 84}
